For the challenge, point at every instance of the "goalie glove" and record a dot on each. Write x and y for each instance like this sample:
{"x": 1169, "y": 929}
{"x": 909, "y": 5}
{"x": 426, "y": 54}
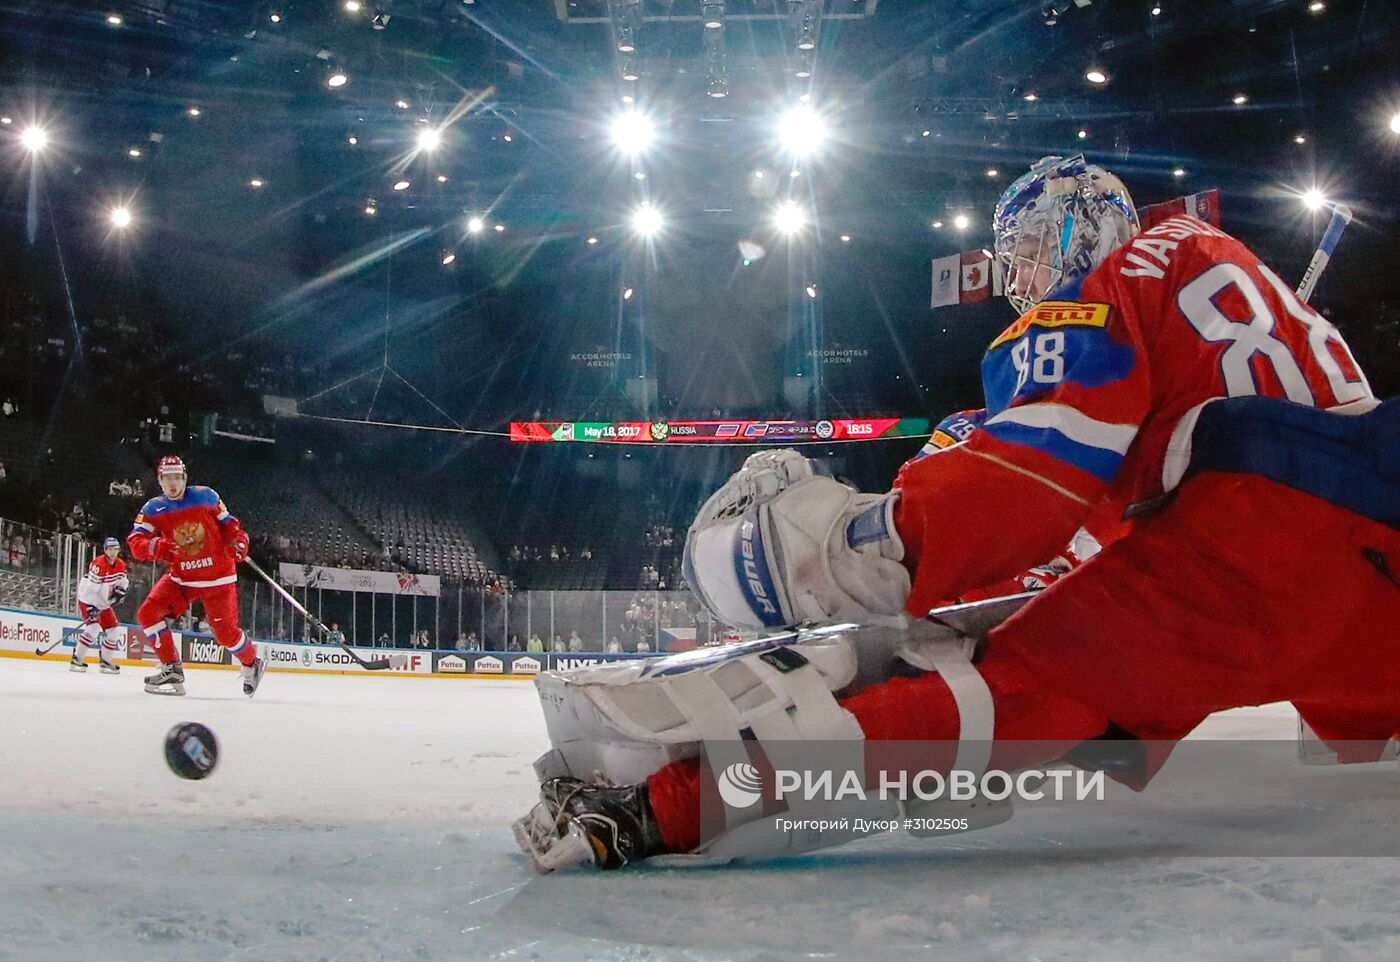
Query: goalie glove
{"x": 781, "y": 544}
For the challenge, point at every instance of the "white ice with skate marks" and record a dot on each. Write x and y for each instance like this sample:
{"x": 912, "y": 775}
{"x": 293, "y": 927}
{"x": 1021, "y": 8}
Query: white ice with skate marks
{"x": 368, "y": 819}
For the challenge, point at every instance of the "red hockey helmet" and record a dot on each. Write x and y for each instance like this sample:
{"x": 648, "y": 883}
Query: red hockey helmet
{"x": 171, "y": 465}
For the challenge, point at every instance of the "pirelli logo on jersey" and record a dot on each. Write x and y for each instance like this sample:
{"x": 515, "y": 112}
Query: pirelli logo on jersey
{"x": 1055, "y": 314}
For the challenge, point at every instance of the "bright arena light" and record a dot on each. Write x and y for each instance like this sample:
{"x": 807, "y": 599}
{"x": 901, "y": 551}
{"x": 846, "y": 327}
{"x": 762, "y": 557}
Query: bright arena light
{"x": 961, "y": 221}
{"x": 256, "y": 182}
{"x": 1096, "y": 75}
{"x": 789, "y": 217}
{"x": 647, "y": 221}
{"x": 352, "y": 6}
{"x": 337, "y": 79}
{"x": 34, "y": 139}
{"x": 475, "y": 225}
{"x": 1395, "y": 123}
{"x": 401, "y": 185}
{"x": 429, "y": 138}
{"x": 194, "y": 111}
{"x": 801, "y": 130}
{"x": 448, "y": 258}
{"x": 121, "y": 217}
{"x": 1313, "y": 199}
{"x": 632, "y": 132}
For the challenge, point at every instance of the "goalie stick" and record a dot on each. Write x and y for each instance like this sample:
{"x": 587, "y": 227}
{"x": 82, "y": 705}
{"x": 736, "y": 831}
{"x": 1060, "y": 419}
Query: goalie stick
{"x": 371, "y": 664}
{"x": 1341, "y": 217}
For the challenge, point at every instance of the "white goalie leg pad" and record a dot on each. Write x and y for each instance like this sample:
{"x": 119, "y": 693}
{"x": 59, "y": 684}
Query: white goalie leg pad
{"x": 626, "y": 720}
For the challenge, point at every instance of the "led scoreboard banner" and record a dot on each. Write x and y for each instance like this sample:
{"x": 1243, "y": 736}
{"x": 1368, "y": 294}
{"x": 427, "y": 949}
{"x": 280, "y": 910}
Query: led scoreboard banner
{"x": 720, "y": 432}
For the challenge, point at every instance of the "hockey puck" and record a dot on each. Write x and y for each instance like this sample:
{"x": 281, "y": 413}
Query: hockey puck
{"x": 191, "y": 750}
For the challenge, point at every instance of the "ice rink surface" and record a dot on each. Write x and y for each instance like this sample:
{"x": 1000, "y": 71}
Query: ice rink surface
{"x": 359, "y": 818}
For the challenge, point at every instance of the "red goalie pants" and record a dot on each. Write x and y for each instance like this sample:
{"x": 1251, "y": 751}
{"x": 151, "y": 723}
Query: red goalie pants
{"x": 1240, "y": 591}
{"x": 169, "y": 599}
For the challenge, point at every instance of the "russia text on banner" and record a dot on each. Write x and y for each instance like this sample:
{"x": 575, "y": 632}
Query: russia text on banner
{"x": 945, "y": 281}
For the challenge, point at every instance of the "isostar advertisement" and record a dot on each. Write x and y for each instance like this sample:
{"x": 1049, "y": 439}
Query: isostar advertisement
{"x": 718, "y": 432}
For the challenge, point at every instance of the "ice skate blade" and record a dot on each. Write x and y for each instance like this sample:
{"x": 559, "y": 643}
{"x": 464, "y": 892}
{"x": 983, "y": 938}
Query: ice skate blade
{"x": 75, "y": 666}
{"x": 165, "y": 689}
{"x": 111, "y": 669}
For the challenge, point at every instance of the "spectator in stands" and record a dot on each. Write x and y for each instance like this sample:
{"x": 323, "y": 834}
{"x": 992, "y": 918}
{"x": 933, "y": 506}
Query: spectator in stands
{"x": 586, "y": 554}
{"x": 513, "y": 644}
{"x": 614, "y": 646}
{"x": 575, "y": 642}
{"x": 336, "y": 636}
{"x": 2, "y": 471}
{"x": 643, "y": 646}
{"x": 554, "y": 552}
{"x": 10, "y": 408}
{"x": 559, "y": 644}
{"x": 137, "y": 491}
{"x": 461, "y": 644}
{"x": 535, "y": 643}
{"x": 18, "y": 550}
{"x": 384, "y": 641}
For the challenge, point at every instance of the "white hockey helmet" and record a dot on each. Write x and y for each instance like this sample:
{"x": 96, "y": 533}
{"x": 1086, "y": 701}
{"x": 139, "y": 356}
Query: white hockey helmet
{"x": 1057, "y": 223}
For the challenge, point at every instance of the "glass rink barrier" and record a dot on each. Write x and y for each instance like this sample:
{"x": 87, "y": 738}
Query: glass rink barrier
{"x": 40, "y": 570}
{"x": 465, "y": 617}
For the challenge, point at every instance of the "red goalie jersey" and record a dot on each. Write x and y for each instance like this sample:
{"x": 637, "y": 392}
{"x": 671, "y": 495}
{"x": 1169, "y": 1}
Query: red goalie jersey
{"x": 1085, "y": 390}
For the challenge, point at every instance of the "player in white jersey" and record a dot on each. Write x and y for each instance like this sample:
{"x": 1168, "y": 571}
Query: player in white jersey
{"x": 104, "y": 585}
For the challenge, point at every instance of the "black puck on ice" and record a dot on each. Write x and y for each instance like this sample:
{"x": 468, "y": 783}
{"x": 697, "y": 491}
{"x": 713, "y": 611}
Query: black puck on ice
{"x": 191, "y": 750}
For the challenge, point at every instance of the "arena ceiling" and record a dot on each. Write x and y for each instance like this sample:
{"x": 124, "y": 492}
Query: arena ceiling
{"x": 266, "y": 198}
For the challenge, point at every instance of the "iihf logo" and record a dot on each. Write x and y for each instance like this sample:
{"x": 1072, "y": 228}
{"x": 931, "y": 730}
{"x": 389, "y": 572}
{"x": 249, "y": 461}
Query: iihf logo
{"x": 739, "y": 785}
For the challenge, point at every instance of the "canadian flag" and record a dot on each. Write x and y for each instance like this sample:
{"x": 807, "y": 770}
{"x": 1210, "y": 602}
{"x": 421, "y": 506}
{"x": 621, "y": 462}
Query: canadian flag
{"x": 976, "y": 269}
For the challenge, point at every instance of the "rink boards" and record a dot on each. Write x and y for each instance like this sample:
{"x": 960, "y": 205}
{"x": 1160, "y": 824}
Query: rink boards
{"x": 21, "y": 632}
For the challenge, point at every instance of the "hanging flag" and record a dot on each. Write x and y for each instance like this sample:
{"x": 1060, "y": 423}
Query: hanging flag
{"x": 976, "y": 271}
{"x": 946, "y": 277}
{"x": 1203, "y": 206}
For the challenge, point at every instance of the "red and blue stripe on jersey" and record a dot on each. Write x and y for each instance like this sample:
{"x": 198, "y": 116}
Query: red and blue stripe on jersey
{"x": 1083, "y": 392}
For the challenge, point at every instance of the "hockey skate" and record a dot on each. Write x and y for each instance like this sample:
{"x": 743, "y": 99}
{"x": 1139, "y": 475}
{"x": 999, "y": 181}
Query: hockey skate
{"x": 170, "y": 680}
{"x": 576, "y": 822}
{"x": 109, "y": 667}
{"x": 76, "y": 663}
{"x": 252, "y": 676}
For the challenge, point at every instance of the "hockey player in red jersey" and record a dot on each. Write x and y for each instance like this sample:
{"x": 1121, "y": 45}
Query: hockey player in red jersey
{"x": 189, "y": 528}
{"x": 1152, "y": 371}
{"x": 104, "y": 586}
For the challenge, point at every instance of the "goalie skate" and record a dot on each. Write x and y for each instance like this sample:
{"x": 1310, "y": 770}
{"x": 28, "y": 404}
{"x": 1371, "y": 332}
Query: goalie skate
{"x": 577, "y": 823}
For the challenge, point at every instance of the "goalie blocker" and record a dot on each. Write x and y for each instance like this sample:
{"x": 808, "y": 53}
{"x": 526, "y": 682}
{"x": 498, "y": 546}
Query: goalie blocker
{"x": 618, "y": 723}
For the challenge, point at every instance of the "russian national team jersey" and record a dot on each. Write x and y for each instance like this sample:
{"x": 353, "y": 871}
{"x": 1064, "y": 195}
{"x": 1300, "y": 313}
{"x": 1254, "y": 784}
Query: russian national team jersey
{"x": 200, "y": 524}
{"x": 1084, "y": 390}
{"x": 95, "y": 587}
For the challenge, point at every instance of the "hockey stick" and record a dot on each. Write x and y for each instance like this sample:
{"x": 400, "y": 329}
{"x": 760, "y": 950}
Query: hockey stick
{"x": 373, "y": 664}
{"x": 48, "y": 648}
{"x": 1341, "y": 217}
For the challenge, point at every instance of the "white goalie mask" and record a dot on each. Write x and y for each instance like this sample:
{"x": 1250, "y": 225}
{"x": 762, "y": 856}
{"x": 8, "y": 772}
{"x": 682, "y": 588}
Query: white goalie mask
{"x": 1057, "y": 223}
